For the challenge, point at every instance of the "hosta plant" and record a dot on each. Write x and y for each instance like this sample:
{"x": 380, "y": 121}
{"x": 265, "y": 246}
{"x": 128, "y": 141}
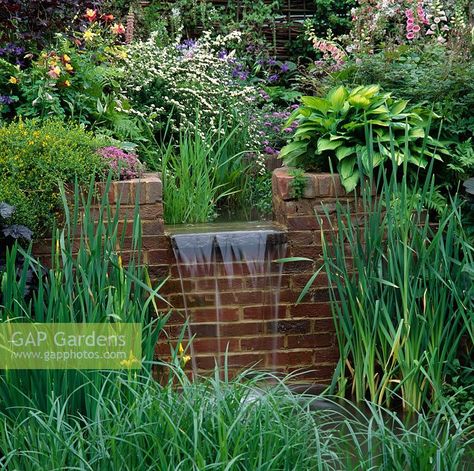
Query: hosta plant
{"x": 332, "y": 131}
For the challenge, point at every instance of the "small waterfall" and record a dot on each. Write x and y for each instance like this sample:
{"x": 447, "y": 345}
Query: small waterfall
{"x": 225, "y": 256}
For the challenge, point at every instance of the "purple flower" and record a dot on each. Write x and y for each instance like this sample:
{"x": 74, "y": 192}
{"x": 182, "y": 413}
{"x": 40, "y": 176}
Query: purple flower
{"x": 267, "y": 124}
{"x": 125, "y": 165}
{"x": 288, "y": 130}
{"x": 6, "y": 100}
{"x": 270, "y": 150}
{"x": 222, "y": 54}
{"x": 187, "y": 45}
{"x": 284, "y": 68}
{"x": 273, "y": 78}
{"x": 271, "y": 62}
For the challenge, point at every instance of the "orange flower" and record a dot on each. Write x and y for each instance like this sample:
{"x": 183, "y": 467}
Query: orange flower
{"x": 91, "y": 15}
{"x": 108, "y": 18}
{"x": 118, "y": 28}
{"x": 54, "y": 72}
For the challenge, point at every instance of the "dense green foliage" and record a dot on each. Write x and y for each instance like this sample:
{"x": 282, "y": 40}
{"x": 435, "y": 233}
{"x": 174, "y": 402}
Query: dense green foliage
{"x": 34, "y": 158}
{"x": 334, "y": 129}
{"x": 114, "y": 293}
{"x": 399, "y": 294}
{"x": 236, "y": 425}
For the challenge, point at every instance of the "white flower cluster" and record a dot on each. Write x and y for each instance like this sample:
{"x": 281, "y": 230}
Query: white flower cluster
{"x": 191, "y": 85}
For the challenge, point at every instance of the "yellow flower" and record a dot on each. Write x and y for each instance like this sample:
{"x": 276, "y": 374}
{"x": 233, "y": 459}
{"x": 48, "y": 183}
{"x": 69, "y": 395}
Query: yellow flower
{"x": 13, "y": 80}
{"x": 66, "y": 58}
{"x": 183, "y": 358}
{"x": 88, "y": 35}
{"x": 132, "y": 359}
{"x": 67, "y": 83}
{"x": 69, "y": 67}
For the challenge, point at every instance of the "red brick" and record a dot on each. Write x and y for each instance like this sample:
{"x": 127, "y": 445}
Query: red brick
{"x": 291, "y": 358}
{"x": 326, "y": 355}
{"x": 300, "y": 238}
{"x": 309, "y": 251}
{"x": 152, "y": 227}
{"x": 225, "y": 314}
{"x": 311, "y": 310}
{"x": 213, "y": 345}
{"x": 159, "y": 257}
{"x": 242, "y": 297}
{"x": 223, "y": 284}
{"x": 299, "y": 267}
{"x": 262, "y": 343}
{"x": 192, "y": 300}
{"x": 264, "y": 312}
{"x": 302, "y": 223}
{"x": 241, "y": 329}
{"x": 301, "y": 326}
{"x": 300, "y": 281}
{"x": 323, "y": 325}
{"x": 310, "y": 340}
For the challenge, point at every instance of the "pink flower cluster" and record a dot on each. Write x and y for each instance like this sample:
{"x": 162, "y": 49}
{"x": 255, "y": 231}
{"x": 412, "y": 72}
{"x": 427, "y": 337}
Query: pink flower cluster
{"x": 414, "y": 22}
{"x": 125, "y": 165}
{"x": 330, "y": 50}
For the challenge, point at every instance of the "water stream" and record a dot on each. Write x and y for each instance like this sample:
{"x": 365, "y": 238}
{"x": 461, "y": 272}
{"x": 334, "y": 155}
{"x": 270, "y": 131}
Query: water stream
{"x": 224, "y": 253}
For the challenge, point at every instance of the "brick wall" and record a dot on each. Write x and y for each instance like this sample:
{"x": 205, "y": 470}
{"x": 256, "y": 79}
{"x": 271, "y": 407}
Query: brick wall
{"x": 287, "y": 338}
{"x": 148, "y": 191}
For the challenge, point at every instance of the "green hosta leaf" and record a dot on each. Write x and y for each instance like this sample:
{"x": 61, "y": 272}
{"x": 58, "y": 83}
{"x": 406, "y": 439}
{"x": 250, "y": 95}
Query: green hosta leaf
{"x": 398, "y": 106}
{"x": 370, "y": 90}
{"x": 379, "y": 123}
{"x": 346, "y": 167}
{"x": 417, "y": 133}
{"x": 349, "y": 173}
{"x": 326, "y": 144}
{"x": 351, "y": 182}
{"x": 418, "y": 161}
{"x": 343, "y": 151}
{"x": 293, "y": 150}
{"x": 306, "y": 130}
{"x": 379, "y": 110}
{"x": 399, "y": 157}
{"x": 316, "y": 103}
{"x": 359, "y": 101}
{"x": 337, "y": 97}
{"x": 372, "y": 160}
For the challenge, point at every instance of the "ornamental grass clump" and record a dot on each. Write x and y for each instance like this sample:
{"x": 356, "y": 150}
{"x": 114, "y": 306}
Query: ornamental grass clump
{"x": 86, "y": 282}
{"x": 400, "y": 291}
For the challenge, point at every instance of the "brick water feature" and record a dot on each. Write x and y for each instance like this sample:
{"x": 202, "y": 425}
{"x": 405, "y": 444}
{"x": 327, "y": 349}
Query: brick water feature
{"x": 238, "y": 301}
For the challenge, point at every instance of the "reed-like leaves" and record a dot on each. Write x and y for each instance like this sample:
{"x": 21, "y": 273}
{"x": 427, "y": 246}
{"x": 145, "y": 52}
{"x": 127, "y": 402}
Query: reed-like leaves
{"x": 86, "y": 281}
{"x": 398, "y": 291}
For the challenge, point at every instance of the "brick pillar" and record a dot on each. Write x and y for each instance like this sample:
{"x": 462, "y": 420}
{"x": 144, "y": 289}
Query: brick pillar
{"x": 308, "y": 328}
{"x": 148, "y": 191}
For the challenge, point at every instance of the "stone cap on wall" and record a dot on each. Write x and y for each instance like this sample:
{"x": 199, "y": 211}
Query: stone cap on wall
{"x": 148, "y": 189}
